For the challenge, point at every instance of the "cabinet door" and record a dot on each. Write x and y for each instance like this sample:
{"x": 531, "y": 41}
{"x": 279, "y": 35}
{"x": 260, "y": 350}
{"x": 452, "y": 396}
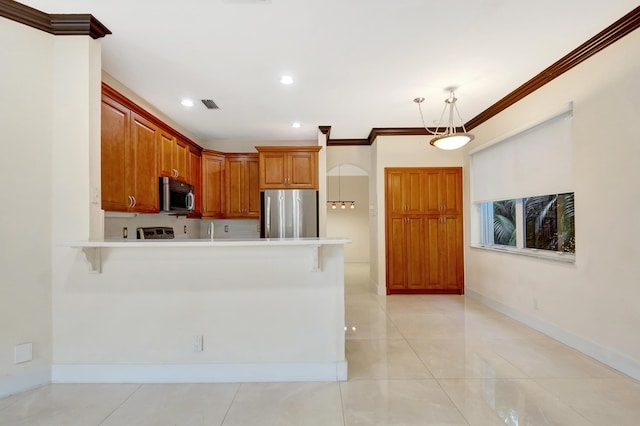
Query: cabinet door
{"x": 166, "y": 155}
{"x": 142, "y": 171}
{"x": 195, "y": 179}
{"x": 273, "y": 169}
{"x": 253, "y": 187}
{"x": 443, "y": 189}
{"x": 212, "y": 185}
{"x": 396, "y": 253}
{"x": 114, "y": 143}
{"x": 180, "y": 159}
{"x": 413, "y": 191}
{"x": 394, "y": 191}
{"x": 302, "y": 170}
{"x": 235, "y": 170}
{"x": 451, "y": 253}
{"x": 405, "y": 190}
{"x": 414, "y": 237}
{"x": 431, "y": 181}
{"x": 432, "y": 243}
{"x": 451, "y": 191}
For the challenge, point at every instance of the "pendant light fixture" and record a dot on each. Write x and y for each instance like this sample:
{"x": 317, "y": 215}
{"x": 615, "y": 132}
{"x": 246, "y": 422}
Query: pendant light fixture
{"x": 448, "y": 138}
{"x": 340, "y": 202}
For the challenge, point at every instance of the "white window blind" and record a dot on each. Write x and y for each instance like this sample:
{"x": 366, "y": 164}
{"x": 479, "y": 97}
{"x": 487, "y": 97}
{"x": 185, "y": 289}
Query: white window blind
{"x": 534, "y": 161}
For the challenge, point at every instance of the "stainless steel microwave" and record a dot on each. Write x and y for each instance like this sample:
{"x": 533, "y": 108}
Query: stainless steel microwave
{"x": 176, "y": 197}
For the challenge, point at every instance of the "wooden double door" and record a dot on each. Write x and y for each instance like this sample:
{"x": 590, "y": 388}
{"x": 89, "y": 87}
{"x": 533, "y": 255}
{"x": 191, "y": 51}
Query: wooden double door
{"x": 424, "y": 250}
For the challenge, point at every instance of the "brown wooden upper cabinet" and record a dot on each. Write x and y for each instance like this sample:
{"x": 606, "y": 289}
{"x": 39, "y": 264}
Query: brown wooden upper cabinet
{"x": 288, "y": 167}
{"x": 242, "y": 186}
{"x": 173, "y": 156}
{"x": 212, "y": 184}
{"x": 128, "y": 165}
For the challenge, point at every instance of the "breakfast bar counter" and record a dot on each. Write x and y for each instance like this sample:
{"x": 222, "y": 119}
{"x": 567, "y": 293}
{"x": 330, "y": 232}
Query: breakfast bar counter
{"x": 202, "y": 311}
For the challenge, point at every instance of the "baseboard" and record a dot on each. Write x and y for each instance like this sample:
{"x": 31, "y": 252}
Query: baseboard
{"x": 24, "y": 381}
{"x": 199, "y": 373}
{"x": 620, "y": 362}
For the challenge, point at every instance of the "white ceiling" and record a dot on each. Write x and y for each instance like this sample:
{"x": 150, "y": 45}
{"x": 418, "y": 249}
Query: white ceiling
{"x": 357, "y": 64}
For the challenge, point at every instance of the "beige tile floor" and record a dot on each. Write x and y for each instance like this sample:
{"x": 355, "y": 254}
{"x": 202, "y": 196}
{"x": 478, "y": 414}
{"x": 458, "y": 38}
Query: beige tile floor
{"x": 413, "y": 360}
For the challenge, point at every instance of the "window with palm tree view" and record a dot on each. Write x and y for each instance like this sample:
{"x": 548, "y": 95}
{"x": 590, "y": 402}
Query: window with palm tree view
{"x": 546, "y": 223}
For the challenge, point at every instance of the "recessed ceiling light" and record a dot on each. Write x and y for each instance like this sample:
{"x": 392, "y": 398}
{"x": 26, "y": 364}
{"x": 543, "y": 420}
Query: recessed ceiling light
{"x": 187, "y": 102}
{"x": 286, "y": 79}
{"x": 296, "y": 125}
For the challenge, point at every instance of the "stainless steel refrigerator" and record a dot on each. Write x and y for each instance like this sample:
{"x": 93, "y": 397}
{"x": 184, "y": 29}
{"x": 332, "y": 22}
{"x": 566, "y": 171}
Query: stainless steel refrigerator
{"x": 288, "y": 213}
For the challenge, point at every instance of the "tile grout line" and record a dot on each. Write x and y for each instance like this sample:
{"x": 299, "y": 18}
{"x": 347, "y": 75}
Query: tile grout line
{"x": 344, "y": 417}
{"x": 226, "y": 413}
{"x": 122, "y": 403}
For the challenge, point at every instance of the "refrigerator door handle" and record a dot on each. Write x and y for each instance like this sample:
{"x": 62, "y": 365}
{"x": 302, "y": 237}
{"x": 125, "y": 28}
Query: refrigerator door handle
{"x": 267, "y": 219}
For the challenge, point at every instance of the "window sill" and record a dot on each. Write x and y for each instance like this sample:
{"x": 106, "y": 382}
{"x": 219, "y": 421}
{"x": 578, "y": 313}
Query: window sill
{"x": 556, "y": 256}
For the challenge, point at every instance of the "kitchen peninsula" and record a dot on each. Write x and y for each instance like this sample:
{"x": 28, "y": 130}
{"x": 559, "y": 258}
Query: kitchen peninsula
{"x": 204, "y": 311}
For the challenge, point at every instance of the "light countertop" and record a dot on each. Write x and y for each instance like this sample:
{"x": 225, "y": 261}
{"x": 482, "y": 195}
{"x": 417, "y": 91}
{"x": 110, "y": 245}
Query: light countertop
{"x": 207, "y": 242}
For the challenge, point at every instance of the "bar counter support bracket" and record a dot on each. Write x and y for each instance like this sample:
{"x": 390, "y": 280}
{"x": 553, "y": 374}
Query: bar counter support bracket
{"x": 94, "y": 257}
{"x": 315, "y": 259}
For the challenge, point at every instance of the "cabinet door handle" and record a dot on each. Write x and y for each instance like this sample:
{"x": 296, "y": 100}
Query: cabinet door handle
{"x": 130, "y": 201}
{"x": 134, "y": 201}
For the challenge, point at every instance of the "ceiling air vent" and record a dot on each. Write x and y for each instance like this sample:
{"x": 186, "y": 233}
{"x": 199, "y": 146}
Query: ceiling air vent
{"x": 210, "y": 104}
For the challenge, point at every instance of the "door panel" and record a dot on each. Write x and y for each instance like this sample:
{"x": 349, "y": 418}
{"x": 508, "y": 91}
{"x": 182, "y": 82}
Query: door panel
{"x": 451, "y": 191}
{"x": 413, "y": 191}
{"x": 396, "y": 261}
{"x": 115, "y": 141}
{"x": 414, "y": 237}
{"x": 144, "y": 175}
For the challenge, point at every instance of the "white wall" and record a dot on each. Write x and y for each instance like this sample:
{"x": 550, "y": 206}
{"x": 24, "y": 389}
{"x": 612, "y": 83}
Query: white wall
{"x": 26, "y": 120}
{"x": 134, "y": 322}
{"x": 51, "y": 119}
{"x": 400, "y": 151}
{"x": 350, "y": 223}
{"x": 592, "y": 304}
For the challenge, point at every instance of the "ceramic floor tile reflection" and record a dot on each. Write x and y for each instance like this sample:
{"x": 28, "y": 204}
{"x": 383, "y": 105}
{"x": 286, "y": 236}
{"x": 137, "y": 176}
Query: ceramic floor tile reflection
{"x": 548, "y": 358}
{"x": 367, "y": 322}
{"x": 463, "y": 358}
{"x": 398, "y": 402}
{"x": 436, "y": 325}
{"x": 602, "y": 401}
{"x": 509, "y": 402}
{"x": 383, "y": 359}
{"x": 295, "y": 404}
{"x": 66, "y": 405}
{"x": 412, "y": 360}
{"x": 173, "y": 404}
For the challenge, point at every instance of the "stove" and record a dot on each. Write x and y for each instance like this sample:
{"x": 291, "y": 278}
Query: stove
{"x": 155, "y": 233}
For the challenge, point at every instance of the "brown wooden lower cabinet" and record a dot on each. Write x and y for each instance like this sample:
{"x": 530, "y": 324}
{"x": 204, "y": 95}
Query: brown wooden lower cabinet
{"x": 424, "y": 251}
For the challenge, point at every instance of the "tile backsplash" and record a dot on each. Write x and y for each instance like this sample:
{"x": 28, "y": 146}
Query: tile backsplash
{"x": 114, "y": 223}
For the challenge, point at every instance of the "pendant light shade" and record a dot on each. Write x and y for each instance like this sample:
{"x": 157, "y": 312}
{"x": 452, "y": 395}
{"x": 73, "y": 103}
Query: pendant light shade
{"x": 448, "y": 138}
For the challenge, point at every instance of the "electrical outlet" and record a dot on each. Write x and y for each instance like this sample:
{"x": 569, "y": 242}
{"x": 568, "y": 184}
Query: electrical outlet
{"x": 226, "y": 228}
{"x": 185, "y": 229}
{"x": 198, "y": 343}
{"x": 125, "y": 232}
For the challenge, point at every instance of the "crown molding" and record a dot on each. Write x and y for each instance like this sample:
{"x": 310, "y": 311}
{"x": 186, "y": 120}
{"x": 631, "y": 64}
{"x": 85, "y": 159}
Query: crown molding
{"x": 56, "y": 24}
{"x": 605, "y": 38}
{"x": 614, "y": 32}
